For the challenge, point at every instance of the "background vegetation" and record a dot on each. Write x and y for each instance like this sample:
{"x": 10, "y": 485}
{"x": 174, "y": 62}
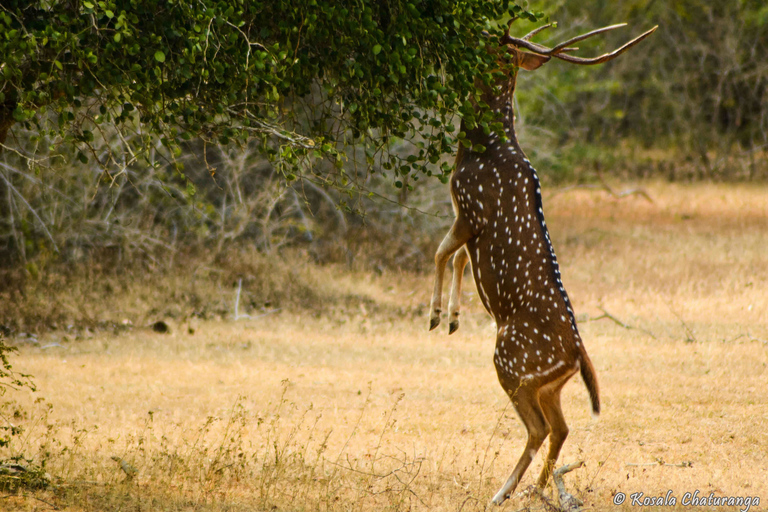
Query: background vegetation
{"x": 690, "y": 103}
{"x": 98, "y": 170}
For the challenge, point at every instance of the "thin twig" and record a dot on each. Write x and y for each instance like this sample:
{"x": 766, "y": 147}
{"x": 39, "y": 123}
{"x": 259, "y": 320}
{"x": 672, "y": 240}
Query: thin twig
{"x": 688, "y": 330}
{"x": 32, "y": 210}
{"x": 54, "y": 507}
{"x": 548, "y": 504}
{"x": 488, "y": 446}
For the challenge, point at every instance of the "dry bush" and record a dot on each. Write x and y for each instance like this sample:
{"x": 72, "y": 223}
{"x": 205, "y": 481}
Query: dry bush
{"x": 81, "y": 299}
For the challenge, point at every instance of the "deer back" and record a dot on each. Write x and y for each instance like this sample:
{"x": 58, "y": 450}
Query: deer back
{"x": 514, "y": 265}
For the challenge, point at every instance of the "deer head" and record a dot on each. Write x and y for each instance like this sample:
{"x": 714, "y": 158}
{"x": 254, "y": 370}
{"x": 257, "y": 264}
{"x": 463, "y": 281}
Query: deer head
{"x": 521, "y": 53}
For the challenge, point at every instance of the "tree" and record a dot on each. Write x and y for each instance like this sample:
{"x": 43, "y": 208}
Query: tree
{"x": 302, "y": 78}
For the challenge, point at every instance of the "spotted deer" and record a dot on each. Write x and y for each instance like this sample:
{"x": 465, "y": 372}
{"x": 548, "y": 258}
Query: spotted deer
{"x": 500, "y": 230}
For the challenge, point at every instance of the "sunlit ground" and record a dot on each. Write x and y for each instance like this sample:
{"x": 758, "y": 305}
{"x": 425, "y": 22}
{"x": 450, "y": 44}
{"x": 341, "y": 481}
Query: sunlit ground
{"x": 363, "y": 409}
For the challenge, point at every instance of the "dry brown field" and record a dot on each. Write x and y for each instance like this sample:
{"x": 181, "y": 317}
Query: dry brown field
{"x": 360, "y": 408}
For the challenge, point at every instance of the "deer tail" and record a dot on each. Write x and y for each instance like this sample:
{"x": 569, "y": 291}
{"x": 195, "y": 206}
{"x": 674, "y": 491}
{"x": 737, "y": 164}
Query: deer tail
{"x": 590, "y": 380}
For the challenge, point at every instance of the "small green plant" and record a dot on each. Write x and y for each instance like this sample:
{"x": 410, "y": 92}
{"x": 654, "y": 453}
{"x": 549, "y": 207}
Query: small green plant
{"x": 15, "y": 470}
{"x": 14, "y": 381}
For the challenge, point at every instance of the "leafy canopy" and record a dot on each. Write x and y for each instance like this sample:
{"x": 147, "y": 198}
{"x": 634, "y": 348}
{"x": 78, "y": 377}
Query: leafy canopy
{"x": 303, "y": 78}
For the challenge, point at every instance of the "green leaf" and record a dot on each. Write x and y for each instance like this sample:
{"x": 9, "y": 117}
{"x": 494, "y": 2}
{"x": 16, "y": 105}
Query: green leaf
{"x": 377, "y": 49}
{"x": 159, "y": 56}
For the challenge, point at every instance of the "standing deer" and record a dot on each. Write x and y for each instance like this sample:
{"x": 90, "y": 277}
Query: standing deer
{"x": 500, "y": 229}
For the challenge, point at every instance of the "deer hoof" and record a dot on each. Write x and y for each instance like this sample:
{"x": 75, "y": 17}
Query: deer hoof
{"x": 434, "y": 322}
{"x": 453, "y": 327}
{"x": 499, "y": 499}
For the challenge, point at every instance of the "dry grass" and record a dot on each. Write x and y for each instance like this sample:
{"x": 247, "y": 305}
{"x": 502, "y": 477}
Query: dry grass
{"x": 363, "y": 409}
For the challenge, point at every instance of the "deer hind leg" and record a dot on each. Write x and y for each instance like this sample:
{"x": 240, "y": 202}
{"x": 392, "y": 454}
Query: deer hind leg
{"x": 527, "y": 404}
{"x": 460, "y": 261}
{"x": 549, "y": 398}
{"x": 458, "y": 235}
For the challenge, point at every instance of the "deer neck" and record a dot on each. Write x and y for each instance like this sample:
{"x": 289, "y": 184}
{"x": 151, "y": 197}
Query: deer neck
{"x": 500, "y": 101}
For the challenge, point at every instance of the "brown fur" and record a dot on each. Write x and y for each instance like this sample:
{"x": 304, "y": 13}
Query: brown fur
{"x": 500, "y": 230}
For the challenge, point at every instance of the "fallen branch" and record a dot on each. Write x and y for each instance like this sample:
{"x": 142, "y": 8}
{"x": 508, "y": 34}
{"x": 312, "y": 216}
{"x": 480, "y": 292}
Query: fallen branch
{"x": 238, "y": 316}
{"x": 568, "y": 502}
{"x": 604, "y": 187}
{"x": 619, "y": 322}
{"x": 611, "y": 317}
{"x": 237, "y": 301}
{"x": 625, "y": 193}
{"x": 748, "y": 336}
{"x": 607, "y": 188}
{"x": 129, "y": 470}
{"x": 684, "y": 464}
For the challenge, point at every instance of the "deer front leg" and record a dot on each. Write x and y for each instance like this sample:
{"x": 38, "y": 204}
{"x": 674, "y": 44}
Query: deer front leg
{"x": 460, "y": 261}
{"x": 458, "y": 235}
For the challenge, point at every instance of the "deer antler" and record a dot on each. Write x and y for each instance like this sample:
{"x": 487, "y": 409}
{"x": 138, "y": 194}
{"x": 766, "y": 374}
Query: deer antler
{"x": 535, "y": 31}
{"x": 607, "y": 56}
{"x": 559, "y": 50}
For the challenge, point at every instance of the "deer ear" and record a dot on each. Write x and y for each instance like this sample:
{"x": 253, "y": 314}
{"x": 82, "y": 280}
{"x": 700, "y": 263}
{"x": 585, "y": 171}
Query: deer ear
{"x": 530, "y": 61}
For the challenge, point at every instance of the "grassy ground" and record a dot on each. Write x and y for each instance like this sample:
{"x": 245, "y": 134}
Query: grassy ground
{"x": 358, "y": 407}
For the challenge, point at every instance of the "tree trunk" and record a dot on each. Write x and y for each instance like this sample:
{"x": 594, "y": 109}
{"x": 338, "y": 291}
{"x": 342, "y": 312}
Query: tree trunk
{"x": 6, "y": 121}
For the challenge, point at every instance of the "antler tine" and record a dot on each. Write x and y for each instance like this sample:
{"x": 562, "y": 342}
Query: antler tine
{"x": 535, "y": 31}
{"x": 503, "y": 39}
{"x": 607, "y": 56}
{"x": 543, "y": 50}
{"x": 509, "y": 26}
{"x": 582, "y": 37}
